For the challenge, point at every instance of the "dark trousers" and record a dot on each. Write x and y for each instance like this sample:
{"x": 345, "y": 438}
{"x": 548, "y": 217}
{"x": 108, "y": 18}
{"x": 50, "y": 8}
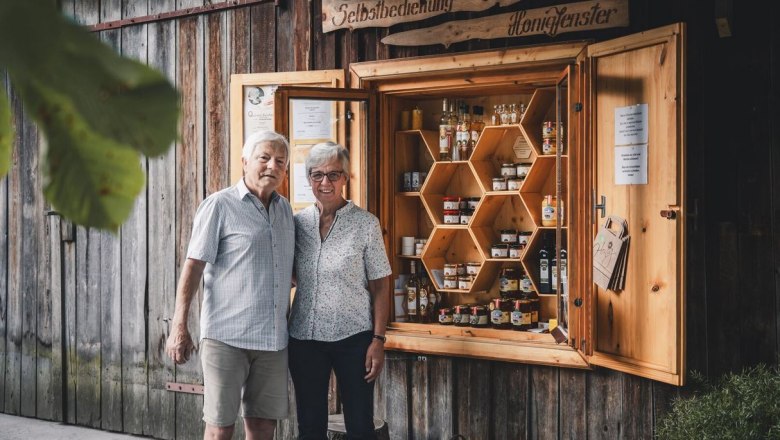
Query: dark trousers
{"x": 310, "y": 366}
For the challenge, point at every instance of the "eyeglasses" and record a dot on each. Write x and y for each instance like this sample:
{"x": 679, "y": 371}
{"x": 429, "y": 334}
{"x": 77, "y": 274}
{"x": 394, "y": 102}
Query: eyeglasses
{"x": 332, "y": 176}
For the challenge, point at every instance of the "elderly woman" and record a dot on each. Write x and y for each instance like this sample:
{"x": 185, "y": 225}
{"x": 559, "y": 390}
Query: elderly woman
{"x": 341, "y": 304}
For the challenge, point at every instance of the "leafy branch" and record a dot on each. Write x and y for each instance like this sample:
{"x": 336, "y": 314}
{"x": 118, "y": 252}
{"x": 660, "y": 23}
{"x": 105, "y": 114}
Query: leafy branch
{"x": 98, "y": 111}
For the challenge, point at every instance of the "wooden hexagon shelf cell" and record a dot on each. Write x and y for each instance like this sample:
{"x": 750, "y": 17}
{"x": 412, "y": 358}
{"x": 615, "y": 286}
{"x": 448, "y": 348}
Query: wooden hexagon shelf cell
{"x": 448, "y": 179}
{"x": 498, "y": 212}
{"x": 455, "y": 245}
{"x": 541, "y": 182}
{"x": 531, "y": 257}
{"x": 412, "y": 153}
{"x": 498, "y": 145}
{"x": 541, "y": 108}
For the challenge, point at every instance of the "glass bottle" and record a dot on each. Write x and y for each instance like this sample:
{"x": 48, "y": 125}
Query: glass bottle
{"x": 464, "y": 132}
{"x": 521, "y": 112}
{"x": 445, "y": 133}
{"x": 513, "y": 117}
{"x": 424, "y": 306}
{"x": 495, "y": 118}
{"x": 413, "y": 294}
{"x": 504, "y": 114}
{"x": 544, "y": 266}
{"x": 477, "y": 125}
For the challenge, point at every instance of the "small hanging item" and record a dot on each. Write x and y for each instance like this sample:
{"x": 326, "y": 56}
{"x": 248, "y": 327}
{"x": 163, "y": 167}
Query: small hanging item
{"x": 610, "y": 254}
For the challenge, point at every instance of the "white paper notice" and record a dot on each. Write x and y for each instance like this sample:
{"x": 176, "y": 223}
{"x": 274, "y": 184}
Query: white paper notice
{"x": 631, "y": 125}
{"x": 312, "y": 119}
{"x": 302, "y": 191}
{"x": 258, "y": 109}
{"x": 631, "y": 165}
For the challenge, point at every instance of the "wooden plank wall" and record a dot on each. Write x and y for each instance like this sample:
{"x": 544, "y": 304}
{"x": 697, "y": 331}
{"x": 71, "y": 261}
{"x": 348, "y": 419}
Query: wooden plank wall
{"x": 83, "y": 323}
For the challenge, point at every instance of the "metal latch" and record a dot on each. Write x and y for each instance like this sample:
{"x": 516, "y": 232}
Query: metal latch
{"x": 599, "y": 206}
{"x": 190, "y": 388}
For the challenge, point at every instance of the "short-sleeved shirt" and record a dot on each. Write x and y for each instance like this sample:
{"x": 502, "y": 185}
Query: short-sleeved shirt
{"x": 249, "y": 255}
{"x": 332, "y": 300}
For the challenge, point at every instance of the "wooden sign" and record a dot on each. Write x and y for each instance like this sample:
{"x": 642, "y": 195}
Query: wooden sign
{"x": 354, "y": 14}
{"x": 551, "y": 20}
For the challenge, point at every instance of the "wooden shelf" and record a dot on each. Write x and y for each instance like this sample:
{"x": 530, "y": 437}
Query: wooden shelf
{"x": 408, "y": 194}
{"x": 409, "y": 257}
{"x": 541, "y": 108}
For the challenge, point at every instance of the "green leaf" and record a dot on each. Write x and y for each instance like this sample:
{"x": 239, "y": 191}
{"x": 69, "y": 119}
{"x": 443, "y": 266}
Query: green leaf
{"x": 119, "y": 98}
{"x": 96, "y": 109}
{"x": 6, "y": 133}
{"x": 90, "y": 179}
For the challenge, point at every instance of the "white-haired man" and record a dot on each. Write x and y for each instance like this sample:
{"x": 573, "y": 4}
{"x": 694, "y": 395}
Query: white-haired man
{"x": 243, "y": 240}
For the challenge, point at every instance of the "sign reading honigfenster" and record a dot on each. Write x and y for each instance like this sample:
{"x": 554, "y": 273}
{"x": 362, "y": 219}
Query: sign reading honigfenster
{"x": 550, "y": 20}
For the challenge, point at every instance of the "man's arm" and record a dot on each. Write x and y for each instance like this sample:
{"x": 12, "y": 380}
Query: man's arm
{"x": 375, "y": 356}
{"x": 179, "y": 345}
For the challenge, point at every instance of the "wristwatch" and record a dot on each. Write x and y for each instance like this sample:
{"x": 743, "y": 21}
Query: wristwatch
{"x": 382, "y": 338}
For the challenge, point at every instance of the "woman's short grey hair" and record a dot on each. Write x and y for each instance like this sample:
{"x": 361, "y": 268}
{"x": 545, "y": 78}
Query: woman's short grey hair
{"x": 325, "y": 152}
{"x": 278, "y": 141}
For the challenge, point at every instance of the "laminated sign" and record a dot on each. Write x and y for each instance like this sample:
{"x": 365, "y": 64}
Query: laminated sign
{"x": 610, "y": 254}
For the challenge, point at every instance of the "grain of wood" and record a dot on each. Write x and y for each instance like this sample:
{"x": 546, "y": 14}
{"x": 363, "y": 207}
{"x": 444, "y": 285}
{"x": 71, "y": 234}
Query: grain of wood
{"x": 162, "y": 269}
{"x": 572, "y": 395}
{"x": 13, "y": 327}
{"x": 543, "y": 411}
{"x": 135, "y": 401}
{"x": 217, "y": 118}
{"x": 189, "y": 194}
{"x": 263, "y": 49}
{"x": 31, "y": 216}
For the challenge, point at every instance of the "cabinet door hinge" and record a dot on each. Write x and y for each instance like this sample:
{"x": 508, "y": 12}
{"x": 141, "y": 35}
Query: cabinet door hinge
{"x": 577, "y": 106}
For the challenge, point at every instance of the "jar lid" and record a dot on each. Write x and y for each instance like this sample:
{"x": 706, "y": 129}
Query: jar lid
{"x": 450, "y": 264}
{"x": 528, "y": 164}
{"x": 525, "y": 232}
{"x": 473, "y": 199}
{"x": 466, "y": 211}
{"x": 500, "y": 246}
{"x": 474, "y": 263}
{"x": 509, "y": 231}
{"x": 450, "y": 198}
{"x": 507, "y": 165}
{"x": 498, "y": 179}
{"x": 514, "y": 246}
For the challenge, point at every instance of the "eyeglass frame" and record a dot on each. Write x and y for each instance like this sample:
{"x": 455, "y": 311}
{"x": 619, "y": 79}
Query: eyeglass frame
{"x": 328, "y": 174}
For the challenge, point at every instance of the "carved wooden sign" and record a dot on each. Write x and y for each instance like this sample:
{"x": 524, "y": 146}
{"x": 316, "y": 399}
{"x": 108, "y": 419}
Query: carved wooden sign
{"x": 354, "y": 14}
{"x": 551, "y": 20}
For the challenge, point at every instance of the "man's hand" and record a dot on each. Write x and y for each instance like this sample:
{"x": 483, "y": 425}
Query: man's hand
{"x": 179, "y": 345}
{"x": 375, "y": 360}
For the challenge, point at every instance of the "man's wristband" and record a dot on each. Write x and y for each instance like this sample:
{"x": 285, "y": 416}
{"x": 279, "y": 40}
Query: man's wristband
{"x": 381, "y": 338}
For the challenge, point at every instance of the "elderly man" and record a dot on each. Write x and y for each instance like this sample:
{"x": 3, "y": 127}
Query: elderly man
{"x": 243, "y": 240}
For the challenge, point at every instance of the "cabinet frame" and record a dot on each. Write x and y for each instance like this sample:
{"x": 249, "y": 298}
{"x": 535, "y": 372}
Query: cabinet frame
{"x": 544, "y": 66}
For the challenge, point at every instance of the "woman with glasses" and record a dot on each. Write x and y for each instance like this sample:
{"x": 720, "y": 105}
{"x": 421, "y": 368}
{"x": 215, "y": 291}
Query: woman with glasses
{"x": 341, "y": 303}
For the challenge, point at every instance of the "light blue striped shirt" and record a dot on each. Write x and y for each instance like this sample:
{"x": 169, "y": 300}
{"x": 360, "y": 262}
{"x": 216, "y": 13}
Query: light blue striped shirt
{"x": 249, "y": 255}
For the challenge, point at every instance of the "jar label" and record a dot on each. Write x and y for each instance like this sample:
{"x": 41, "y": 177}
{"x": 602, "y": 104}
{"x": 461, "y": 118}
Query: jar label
{"x": 498, "y": 253}
{"x": 544, "y": 273}
{"x": 451, "y": 219}
{"x": 514, "y": 253}
{"x": 534, "y": 316}
{"x": 499, "y": 317}
{"x": 525, "y": 318}
{"x": 508, "y": 238}
{"x": 464, "y": 219}
{"x": 507, "y": 284}
{"x": 445, "y": 319}
{"x": 473, "y": 319}
{"x": 482, "y": 319}
{"x": 548, "y": 213}
{"x": 525, "y": 284}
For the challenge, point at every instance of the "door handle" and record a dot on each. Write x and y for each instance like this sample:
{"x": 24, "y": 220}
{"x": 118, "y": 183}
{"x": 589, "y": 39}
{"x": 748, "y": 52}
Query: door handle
{"x": 599, "y": 206}
{"x": 669, "y": 214}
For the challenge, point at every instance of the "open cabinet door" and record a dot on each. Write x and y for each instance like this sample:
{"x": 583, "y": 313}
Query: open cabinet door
{"x": 309, "y": 115}
{"x": 637, "y": 114}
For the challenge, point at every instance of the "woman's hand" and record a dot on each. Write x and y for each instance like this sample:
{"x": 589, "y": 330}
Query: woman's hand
{"x": 375, "y": 360}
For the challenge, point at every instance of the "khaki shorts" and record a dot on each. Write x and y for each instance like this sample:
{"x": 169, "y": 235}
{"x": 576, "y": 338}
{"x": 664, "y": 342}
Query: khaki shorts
{"x": 227, "y": 371}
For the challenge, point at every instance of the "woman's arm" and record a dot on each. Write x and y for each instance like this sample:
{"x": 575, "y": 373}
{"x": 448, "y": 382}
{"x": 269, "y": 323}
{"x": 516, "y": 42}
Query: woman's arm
{"x": 375, "y": 356}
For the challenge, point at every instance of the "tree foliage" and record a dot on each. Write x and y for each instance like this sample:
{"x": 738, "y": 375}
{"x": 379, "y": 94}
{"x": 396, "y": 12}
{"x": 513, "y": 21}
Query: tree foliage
{"x": 99, "y": 112}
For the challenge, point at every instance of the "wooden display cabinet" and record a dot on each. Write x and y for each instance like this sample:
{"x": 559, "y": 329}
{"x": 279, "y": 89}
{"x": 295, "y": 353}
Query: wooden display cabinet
{"x": 580, "y": 86}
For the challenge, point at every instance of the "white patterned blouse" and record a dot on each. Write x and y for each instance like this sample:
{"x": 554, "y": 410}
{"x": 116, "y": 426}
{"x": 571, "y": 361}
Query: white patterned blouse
{"x": 332, "y": 300}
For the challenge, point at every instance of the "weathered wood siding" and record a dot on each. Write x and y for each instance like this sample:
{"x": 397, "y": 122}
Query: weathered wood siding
{"x": 83, "y": 323}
